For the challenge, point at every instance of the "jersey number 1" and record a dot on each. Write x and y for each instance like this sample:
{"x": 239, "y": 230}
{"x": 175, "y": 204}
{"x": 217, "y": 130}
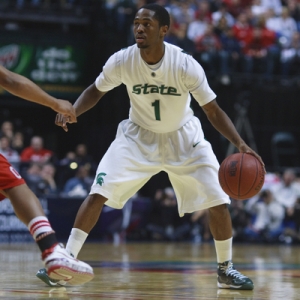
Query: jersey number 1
{"x": 155, "y": 104}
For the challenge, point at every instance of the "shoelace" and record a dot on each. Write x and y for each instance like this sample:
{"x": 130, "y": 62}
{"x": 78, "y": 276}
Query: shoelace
{"x": 231, "y": 271}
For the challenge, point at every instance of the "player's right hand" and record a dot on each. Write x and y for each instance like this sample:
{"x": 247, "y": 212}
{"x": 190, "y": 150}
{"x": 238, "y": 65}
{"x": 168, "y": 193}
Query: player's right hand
{"x": 62, "y": 121}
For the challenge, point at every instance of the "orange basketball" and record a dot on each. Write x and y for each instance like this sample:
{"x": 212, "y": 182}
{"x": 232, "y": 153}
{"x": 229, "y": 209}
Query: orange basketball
{"x": 241, "y": 176}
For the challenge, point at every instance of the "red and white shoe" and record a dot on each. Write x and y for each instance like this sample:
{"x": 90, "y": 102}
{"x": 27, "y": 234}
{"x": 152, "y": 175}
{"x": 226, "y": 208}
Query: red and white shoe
{"x": 60, "y": 265}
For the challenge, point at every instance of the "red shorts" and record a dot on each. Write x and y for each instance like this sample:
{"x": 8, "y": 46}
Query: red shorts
{"x": 9, "y": 177}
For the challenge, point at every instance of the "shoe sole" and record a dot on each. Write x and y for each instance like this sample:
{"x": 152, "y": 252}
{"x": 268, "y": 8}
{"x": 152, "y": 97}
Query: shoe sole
{"x": 71, "y": 276}
{"x": 42, "y": 275}
{"x": 47, "y": 280}
{"x": 233, "y": 287}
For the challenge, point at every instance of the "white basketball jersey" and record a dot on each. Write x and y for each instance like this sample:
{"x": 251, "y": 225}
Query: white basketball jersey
{"x": 160, "y": 98}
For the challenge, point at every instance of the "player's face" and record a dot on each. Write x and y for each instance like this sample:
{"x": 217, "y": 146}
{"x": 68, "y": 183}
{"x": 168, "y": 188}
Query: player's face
{"x": 146, "y": 29}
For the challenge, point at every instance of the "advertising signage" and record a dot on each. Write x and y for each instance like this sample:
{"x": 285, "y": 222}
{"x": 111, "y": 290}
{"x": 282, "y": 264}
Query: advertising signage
{"x": 58, "y": 68}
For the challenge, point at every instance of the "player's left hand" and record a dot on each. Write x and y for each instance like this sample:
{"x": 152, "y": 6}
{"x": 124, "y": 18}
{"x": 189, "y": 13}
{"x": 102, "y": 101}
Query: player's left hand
{"x": 244, "y": 148}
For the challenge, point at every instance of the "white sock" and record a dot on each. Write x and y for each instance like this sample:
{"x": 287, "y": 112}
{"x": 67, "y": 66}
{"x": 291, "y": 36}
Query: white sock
{"x": 224, "y": 250}
{"x": 39, "y": 227}
{"x": 76, "y": 240}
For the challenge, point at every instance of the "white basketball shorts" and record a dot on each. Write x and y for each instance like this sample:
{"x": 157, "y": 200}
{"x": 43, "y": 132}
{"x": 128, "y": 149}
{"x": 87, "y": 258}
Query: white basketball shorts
{"x": 137, "y": 154}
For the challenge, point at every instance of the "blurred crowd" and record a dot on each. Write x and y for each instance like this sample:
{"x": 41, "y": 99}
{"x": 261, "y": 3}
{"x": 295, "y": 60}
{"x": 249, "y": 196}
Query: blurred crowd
{"x": 58, "y": 5}
{"x": 45, "y": 173}
{"x": 271, "y": 216}
{"x": 230, "y": 38}
{"x": 227, "y": 37}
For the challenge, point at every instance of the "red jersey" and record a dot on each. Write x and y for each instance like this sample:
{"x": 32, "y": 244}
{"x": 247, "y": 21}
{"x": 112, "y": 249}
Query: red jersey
{"x": 29, "y": 155}
{"x": 241, "y": 32}
{"x": 9, "y": 177}
{"x": 259, "y": 39}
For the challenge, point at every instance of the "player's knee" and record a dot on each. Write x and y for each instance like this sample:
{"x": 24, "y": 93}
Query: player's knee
{"x": 218, "y": 210}
{"x": 96, "y": 200}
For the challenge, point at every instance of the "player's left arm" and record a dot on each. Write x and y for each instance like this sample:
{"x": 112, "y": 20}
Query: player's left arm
{"x": 22, "y": 87}
{"x": 220, "y": 120}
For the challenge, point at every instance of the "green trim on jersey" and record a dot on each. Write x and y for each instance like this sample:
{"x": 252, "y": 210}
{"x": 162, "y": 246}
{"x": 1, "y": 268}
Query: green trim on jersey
{"x": 183, "y": 51}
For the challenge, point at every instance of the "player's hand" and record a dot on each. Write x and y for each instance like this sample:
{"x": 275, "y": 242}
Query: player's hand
{"x": 244, "y": 148}
{"x": 65, "y": 108}
{"x": 62, "y": 121}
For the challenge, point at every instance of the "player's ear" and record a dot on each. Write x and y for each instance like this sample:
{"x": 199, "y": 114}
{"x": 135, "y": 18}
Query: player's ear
{"x": 163, "y": 30}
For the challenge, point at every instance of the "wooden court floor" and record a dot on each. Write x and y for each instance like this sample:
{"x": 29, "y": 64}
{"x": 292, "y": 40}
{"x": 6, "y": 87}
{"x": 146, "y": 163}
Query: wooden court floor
{"x": 154, "y": 271}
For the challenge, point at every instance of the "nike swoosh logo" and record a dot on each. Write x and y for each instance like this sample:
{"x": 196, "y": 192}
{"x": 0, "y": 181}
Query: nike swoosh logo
{"x": 194, "y": 145}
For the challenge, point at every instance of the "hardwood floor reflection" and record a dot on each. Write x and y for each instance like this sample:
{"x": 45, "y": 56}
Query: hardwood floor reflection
{"x": 155, "y": 271}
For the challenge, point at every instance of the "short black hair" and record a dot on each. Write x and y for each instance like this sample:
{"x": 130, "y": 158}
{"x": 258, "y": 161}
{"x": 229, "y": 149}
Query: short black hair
{"x": 161, "y": 14}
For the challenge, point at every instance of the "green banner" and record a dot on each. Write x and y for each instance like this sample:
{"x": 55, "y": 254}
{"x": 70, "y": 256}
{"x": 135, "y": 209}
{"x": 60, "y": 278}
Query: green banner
{"x": 57, "y": 69}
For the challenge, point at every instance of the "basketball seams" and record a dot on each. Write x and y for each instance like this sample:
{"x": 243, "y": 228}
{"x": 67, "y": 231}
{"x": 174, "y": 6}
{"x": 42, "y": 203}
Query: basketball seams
{"x": 256, "y": 176}
{"x": 240, "y": 175}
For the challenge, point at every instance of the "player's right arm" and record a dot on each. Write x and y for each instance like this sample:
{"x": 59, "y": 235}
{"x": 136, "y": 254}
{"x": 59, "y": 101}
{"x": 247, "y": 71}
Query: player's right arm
{"x": 106, "y": 81}
{"x": 88, "y": 99}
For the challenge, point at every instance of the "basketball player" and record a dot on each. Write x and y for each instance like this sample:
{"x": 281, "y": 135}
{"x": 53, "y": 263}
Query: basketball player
{"x": 58, "y": 262}
{"x": 161, "y": 134}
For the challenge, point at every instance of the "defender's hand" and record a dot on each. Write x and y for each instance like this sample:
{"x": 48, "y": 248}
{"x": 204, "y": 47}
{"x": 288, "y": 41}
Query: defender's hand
{"x": 65, "y": 108}
{"x": 62, "y": 121}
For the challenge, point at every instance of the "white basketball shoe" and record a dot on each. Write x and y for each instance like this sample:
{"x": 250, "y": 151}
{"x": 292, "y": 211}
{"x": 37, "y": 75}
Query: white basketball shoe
{"x": 63, "y": 268}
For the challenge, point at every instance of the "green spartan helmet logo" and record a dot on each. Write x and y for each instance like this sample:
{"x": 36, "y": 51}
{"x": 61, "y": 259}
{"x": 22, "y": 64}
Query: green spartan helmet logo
{"x": 100, "y": 179}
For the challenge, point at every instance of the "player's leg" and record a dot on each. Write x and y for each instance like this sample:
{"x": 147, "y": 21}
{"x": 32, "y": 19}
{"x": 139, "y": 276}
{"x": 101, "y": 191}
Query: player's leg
{"x": 194, "y": 199}
{"x": 86, "y": 218}
{"x": 197, "y": 169}
{"x": 220, "y": 222}
{"x": 89, "y": 212}
{"x": 118, "y": 177}
{"x": 221, "y": 229}
{"x": 26, "y": 205}
{"x": 59, "y": 264}
{"x": 123, "y": 170}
